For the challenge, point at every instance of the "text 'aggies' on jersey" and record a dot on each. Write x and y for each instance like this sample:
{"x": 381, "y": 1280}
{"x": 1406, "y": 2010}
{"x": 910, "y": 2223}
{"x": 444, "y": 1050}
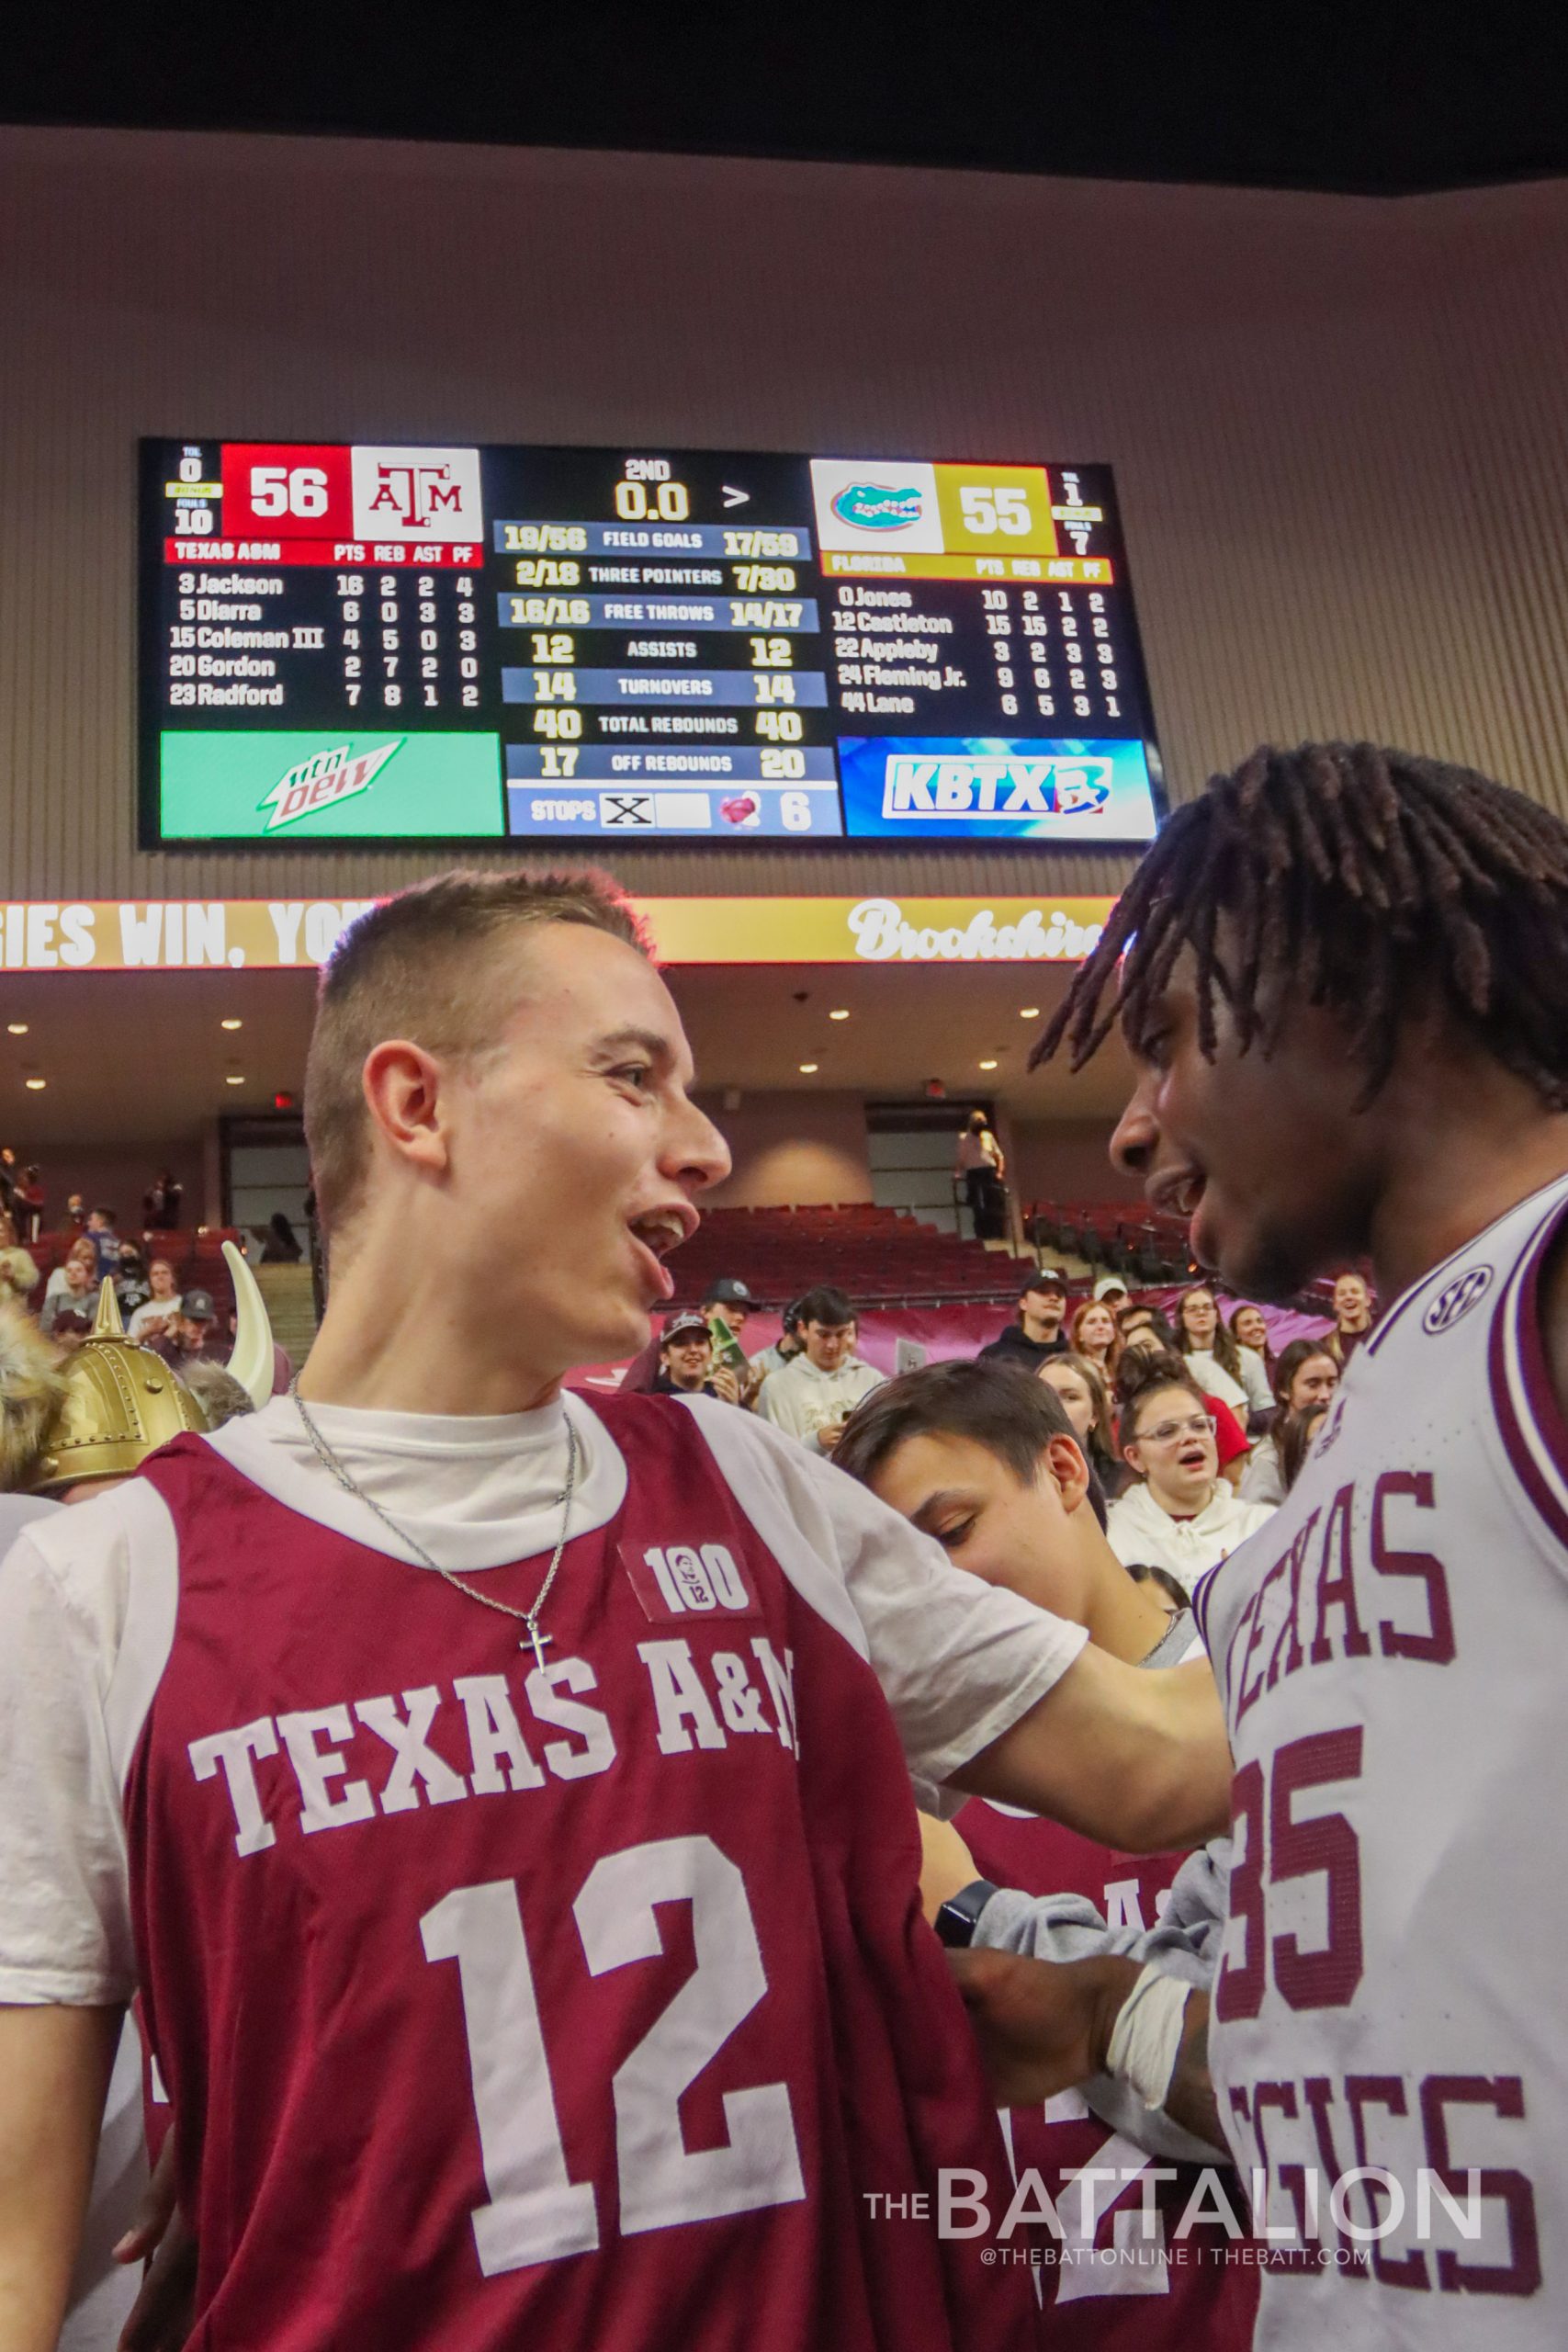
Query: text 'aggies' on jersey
{"x": 583, "y": 1999}
{"x": 1386, "y": 2039}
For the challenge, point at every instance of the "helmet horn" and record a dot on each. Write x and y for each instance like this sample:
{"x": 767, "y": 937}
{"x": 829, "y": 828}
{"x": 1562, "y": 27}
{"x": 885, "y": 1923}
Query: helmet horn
{"x": 109, "y": 1325}
{"x": 250, "y": 1362}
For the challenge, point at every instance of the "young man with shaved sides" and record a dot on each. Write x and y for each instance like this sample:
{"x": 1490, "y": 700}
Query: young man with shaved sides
{"x": 501, "y": 1805}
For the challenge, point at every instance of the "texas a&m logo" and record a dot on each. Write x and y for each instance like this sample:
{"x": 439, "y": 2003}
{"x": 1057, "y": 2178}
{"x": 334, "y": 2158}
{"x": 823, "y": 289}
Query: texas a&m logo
{"x": 417, "y": 494}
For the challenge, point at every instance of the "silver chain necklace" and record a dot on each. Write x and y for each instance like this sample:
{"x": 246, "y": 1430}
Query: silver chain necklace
{"x": 527, "y": 1618}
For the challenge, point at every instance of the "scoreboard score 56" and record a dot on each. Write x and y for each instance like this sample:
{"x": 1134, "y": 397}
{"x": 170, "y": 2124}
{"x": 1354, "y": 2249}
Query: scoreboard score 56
{"x": 392, "y": 642}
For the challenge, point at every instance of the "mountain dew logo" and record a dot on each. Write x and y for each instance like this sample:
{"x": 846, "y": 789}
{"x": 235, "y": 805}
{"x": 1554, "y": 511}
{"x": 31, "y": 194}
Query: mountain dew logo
{"x": 322, "y": 780}
{"x": 873, "y": 506}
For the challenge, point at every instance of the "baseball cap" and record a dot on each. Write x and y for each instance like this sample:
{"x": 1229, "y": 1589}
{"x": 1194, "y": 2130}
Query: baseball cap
{"x": 727, "y": 1292}
{"x": 1107, "y": 1284}
{"x": 685, "y": 1325}
{"x": 197, "y": 1307}
{"x": 1046, "y": 1278}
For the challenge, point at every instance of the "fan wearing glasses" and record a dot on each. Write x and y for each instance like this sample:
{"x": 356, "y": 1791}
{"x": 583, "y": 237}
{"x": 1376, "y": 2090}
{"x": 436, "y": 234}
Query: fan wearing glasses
{"x": 1181, "y": 1514}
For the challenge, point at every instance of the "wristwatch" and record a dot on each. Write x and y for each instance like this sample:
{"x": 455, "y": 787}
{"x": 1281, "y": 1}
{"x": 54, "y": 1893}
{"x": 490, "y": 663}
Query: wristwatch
{"x": 956, "y": 1921}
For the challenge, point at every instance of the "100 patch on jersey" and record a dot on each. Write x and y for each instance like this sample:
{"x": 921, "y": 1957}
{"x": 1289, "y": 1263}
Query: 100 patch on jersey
{"x": 682, "y": 1580}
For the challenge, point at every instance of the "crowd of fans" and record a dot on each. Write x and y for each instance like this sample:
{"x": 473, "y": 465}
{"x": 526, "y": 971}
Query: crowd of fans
{"x": 1098, "y": 1458}
{"x": 1194, "y": 1431}
{"x": 182, "y": 1325}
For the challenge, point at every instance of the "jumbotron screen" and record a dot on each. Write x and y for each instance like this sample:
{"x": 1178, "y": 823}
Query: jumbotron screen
{"x": 394, "y": 644}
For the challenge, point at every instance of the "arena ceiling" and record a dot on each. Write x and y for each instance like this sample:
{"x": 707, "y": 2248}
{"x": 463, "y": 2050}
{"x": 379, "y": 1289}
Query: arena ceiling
{"x": 1387, "y": 97}
{"x": 141, "y": 1057}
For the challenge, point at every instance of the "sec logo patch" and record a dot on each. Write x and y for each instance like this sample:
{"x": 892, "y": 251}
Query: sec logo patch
{"x": 1456, "y": 1299}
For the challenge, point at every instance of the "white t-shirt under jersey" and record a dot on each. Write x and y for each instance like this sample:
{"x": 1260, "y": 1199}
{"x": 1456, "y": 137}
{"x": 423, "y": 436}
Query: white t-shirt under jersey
{"x": 102, "y": 2291}
{"x": 959, "y": 1661}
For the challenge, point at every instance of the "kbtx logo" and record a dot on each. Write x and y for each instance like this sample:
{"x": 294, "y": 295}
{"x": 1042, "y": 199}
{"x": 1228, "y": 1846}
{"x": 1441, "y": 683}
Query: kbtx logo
{"x": 988, "y": 785}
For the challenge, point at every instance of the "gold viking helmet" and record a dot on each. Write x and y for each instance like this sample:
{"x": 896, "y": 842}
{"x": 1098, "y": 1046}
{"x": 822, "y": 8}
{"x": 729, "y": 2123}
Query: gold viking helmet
{"x": 122, "y": 1401}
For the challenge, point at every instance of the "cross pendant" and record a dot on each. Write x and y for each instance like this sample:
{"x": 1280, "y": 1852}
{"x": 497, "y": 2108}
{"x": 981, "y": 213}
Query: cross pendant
{"x": 540, "y": 1642}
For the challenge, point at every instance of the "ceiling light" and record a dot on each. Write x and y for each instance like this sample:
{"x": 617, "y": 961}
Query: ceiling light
{"x": 232, "y": 1079}
{"x": 987, "y": 1065}
{"x": 35, "y": 1085}
{"x": 842, "y": 1014}
{"x": 17, "y": 1028}
{"x": 1029, "y": 1012}
{"x": 230, "y": 1025}
{"x": 808, "y": 1070}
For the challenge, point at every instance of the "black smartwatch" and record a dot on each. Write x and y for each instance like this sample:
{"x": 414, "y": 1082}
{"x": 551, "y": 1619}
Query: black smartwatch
{"x": 956, "y": 1921}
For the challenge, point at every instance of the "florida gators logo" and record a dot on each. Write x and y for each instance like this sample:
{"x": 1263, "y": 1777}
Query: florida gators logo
{"x": 874, "y": 506}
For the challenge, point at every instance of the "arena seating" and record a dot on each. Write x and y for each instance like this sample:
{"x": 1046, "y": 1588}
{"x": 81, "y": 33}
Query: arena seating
{"x": 195, "y": 1256}
{"x": 1146, "y": 1247}
{"x": 1124, "y": 1236}
{"x": 875, "y": 1254}
{"x": 882, "y": 1257}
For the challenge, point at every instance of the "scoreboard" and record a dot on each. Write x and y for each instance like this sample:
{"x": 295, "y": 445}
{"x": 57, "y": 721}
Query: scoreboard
{"x": 397, "y": 643}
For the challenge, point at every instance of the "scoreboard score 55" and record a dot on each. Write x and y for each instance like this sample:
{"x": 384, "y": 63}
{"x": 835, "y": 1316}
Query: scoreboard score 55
{"x": 394, "y": 643}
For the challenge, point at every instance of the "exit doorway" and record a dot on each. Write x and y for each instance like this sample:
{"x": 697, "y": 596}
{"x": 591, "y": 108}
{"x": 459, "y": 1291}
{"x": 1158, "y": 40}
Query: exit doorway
{"x": 266, "y": 1169}
{"x": 912, "y": 1146}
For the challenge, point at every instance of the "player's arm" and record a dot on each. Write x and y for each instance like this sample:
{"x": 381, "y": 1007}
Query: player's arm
{"x": 1044, "y": 2026}
{"x": 67, "y": 1960}
{"x": 54, "y": 2072}
{"x": 1190, "y": 2099}
{"x": 989, "y": 1693}
{"x": 1137, "y": 1758}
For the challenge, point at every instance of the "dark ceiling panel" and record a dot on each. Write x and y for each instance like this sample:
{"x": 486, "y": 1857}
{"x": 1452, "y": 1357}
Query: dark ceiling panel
{"x": 1384, "y": 98}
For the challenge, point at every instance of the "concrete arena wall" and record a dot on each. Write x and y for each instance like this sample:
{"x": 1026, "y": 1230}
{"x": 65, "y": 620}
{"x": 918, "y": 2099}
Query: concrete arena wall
{"x": 116, "y": 1177}
{"x": 1339, "y": 425}
{"x": 790, "y": 1150}
{"x": 793, "y": 1148}
{"x": 1066, "y": 1162}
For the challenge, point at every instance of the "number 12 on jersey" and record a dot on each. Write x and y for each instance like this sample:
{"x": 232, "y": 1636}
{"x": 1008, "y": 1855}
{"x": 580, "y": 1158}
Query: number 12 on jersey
{"x": 535, "y": 2213}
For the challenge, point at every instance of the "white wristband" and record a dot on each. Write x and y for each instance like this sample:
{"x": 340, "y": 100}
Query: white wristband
{"x": 1147, "y": 2035}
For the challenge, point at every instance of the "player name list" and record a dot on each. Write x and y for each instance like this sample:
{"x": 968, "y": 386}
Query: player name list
{"x": 704, "y": 632}
{"x": 321, "y": 645}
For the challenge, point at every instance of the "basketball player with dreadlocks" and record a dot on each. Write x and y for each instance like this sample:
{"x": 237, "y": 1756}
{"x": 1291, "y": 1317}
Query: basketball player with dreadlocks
{"x": 1344, "y": 975}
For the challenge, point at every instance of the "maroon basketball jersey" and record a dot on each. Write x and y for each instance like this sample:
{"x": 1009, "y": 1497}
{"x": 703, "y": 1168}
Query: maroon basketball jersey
{"x": 582, "y": 2005}
{"x": 1116, "y": 2284}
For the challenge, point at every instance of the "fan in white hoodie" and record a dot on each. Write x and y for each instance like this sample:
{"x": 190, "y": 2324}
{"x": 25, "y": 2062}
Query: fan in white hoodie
{"x": 1181, "y": 1515}
{"x": 815, "y": 1392}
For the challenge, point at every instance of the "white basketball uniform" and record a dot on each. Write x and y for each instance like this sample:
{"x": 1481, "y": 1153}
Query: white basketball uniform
{"x": 1393, "y": 1654}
